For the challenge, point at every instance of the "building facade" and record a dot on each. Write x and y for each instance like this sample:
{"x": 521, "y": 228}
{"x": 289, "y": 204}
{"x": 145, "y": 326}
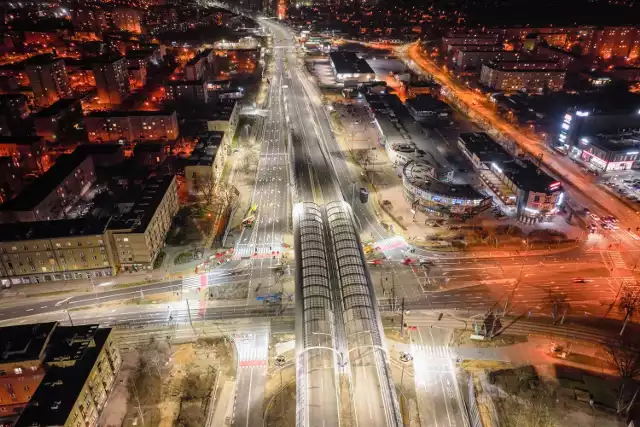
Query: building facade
{"x": 518, "y": 182}
{"x": 48, "y": 79}
{"x": 131, "y": 126}
{"x": 534, "y": 76}
{"x": 112, "y": 80}
{"x": 82, "y": 365}
{"x": 428, "y": 194}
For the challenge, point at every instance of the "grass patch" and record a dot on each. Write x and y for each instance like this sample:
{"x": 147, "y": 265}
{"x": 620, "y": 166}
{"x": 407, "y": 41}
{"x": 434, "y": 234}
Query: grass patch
{"x": 159, "y": 260}
{"x": 183, "y": 258}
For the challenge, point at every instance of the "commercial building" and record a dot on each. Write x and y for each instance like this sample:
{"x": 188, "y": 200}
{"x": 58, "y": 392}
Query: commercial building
{"x": 21, "y": 367}
{"x": 186, "y": 91}
{"x": 112, "y": 79}
{"x": 608, "y": 152}
{"x": 586, "y": 122}
{"x": 204, "y": 166}
{"x": 424, "y": 107}
{"x": 516, "y": 181}
{"x": 82, "y": 363}
{"x": 104, "y": 126}
{"x": 425, "y": 192}
{"x": 54, "y": 192}
{"x": 138, "y": 233}
{"x": 516, "y": 75}
{"x": 48, "y": 79}
{"x": 350, "y": 69}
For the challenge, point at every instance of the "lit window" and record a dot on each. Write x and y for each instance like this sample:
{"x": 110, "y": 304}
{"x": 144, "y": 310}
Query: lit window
{"x": 17, "y": 371}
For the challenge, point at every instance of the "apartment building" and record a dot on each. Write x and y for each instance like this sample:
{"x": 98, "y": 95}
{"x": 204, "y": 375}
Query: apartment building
{"x": 48, "y": 79}
{"x": 138, "y": 234}
{"x": 195, "y": 68}
{"x": 104, "y": 126}
{"x": 45, "y": 251}
{"x": 88, "y": 19}
{"x": 516, "y": 75}
{"x": 21, "y": 368}
{"x": 204, "y": 166}
{"x": 127, "y": 19}
{"x": 186, "y": 91}
{"x": 54, "y": 192}
{"x": 112, "y": 79}
{"x": 29, "y": 152}
{"x": 82, "y": 364}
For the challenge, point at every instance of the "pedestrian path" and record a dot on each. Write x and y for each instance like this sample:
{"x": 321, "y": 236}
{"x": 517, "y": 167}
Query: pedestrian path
{"x": 617, "y": 260}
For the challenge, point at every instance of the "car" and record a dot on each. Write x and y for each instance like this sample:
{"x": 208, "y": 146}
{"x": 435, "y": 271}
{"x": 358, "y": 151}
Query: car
{"x": 595, "y": 217}
{"x": 425, "y": 261}
{"x": 579, "y": 280}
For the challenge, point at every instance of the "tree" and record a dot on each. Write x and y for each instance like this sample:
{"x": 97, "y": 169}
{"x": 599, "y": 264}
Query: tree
{"x": 624, "y": 354}
{"x": 206, "y": 184}
{"x": 628, "y": 304}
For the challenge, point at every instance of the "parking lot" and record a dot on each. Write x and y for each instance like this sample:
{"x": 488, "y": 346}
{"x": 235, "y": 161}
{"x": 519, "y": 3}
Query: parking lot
{"x": 626, "y": 187}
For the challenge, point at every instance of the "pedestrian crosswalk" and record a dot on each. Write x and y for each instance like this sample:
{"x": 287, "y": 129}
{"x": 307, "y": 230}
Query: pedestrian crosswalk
{"x": 196, "y": 281}
{"x": 432, "y": 352}
{"x": 262, "y": 251}
{"x": 616, "y": 259}
{"x": 251, "y": 352}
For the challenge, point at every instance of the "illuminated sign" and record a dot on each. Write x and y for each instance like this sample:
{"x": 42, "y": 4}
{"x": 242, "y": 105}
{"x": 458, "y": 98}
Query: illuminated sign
{"x": 631, "y": 153}
{"x": 565, "y": 126}
{"x": 560, "y": 199}
{"x": 568, "y": 118}
{"x": 582, "y": 113}
{"x": 584, "y": 141}
{"x": 555, "y": 185}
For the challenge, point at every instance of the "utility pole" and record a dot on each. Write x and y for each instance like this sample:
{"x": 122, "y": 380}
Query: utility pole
{"x": 402, "y": 320}
{"x": 189, "y": 314}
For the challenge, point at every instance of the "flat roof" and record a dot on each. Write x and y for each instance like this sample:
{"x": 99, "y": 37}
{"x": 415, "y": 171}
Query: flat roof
{"x": 24, "y": 342}
{"x": 204, "y": 153}
{"x": 349, "y": 62}
{"x": 418, "y": 174}
{"x": 523, "y": 172}
{"x": 135, "y": 113}
{"x": 36, "y": 230}
{"x": 200, "y": 55}
{"x": 60, "y": 388}
{"x": 57, "y": 107}
{"x": 20, "y": 140}
{"x": 138, "y": 214}
{"x": 41, "y": 60}
{"x": 618, "y": 142}
{"x": 34, "y": 193}
{"x": 513, "y": 66}
{"x": 427, "y": 103}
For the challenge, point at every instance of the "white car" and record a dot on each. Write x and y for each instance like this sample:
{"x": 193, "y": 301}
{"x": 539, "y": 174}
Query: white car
{"x": 595, "y": 217}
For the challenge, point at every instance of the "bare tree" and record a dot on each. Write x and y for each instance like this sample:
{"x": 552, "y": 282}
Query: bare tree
{"x": 206, "y": 185}
{"x": 364, "y": 158}
{"x": 534, "y": 411}
{"x": 629, "y": 299}
{"x": 624, "y": 354}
